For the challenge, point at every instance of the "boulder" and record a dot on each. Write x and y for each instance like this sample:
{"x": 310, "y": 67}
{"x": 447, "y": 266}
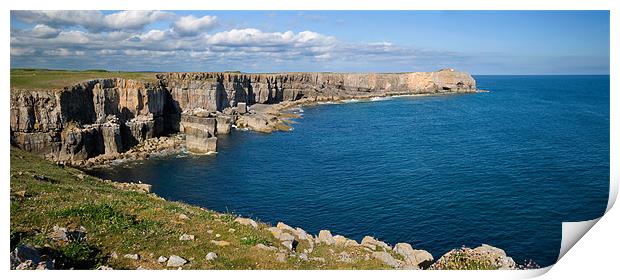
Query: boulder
{"x": 325, "y": 236}
{"x": 132, "y": 256}
{"x": 162, "y": 259}
{"x": 265, "y": 247}
{"x": 284, "y": 226}
{"x": 186, "y": 237}
{"x": 211, "y": 256}
{"x": 386, "y": 258}
{"x": 246, "y": 222}
{"x": 482, "y": 257}
{"x": 175, "y": 261}
{"x": 374, "y": 244}
{"x": 242, "y": 108}
{"x": 413, "y": 258}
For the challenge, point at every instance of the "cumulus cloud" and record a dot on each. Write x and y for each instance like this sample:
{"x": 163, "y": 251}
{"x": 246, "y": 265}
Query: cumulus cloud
{"x": 67, "y": 38}
{"x": 44, "y": 31}
{"x": 190, "y": 25}
{"x": 255, "y": 37}
{"x": 94, "y": 21}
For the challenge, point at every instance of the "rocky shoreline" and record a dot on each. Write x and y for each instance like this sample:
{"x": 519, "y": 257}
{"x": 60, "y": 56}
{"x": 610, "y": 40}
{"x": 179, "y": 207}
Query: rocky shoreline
{"x": 99, "y": 122}
{"x": 290, "y": 245}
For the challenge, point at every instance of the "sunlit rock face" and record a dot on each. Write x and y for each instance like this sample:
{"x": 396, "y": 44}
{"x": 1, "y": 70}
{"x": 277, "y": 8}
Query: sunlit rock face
{"x": 109, "y": 116}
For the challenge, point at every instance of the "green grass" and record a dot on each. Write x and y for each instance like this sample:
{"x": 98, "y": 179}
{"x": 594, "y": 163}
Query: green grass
{"x": 125, "y": 222}
{"x": 57, "y": 79}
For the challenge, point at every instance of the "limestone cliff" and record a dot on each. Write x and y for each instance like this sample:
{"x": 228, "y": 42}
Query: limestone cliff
{"x": 109, "y": 116}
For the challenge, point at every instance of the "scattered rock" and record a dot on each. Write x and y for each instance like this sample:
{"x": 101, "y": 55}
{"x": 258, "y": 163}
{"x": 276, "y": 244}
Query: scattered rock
{"x": 220, "y": 243}
{"x": 325, "y": 236}
{"x": 386, "y": 258}
{"x": 186, "y": 237}
{"x": 103, "y": 267}
{"x": 26, "y": 265}
{"x": 183, "y": 217}
{"x": 217, "y": 235}
{"x": 231, "y": 230}
{"x": 114, "y": 255}
{"x": 373, "y": 244}
{"x": 162, "y": 259}
{"x": 413, "y": 258}
{"x": 303, "y": 257}
{"x": 175, "y": 261}
{"x": 340, "y": 240}
{"x": 211, "y": 256}
{"x": 265, "y": 247}
{"x": 246, "y": 222}
{"x": 351, "y": 243}
{"x": 132, "y": 256}
{"x": 290, "y": 244}
{"x": 62, "y": 234}
{"x": 482, "y": 257}
{"x": 26, "y": 257}
{"x": 210, "y": 231}
{"x": 284, "y": 226}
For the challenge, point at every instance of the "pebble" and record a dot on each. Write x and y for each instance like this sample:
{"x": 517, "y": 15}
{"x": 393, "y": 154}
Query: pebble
{"x": 186, "y": 237}
{"x": 132, "y": 256}
{"x": 211, "y": 256}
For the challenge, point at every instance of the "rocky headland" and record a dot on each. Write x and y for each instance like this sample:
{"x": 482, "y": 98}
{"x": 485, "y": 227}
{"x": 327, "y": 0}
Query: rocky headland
{"x": 101, "y": 120}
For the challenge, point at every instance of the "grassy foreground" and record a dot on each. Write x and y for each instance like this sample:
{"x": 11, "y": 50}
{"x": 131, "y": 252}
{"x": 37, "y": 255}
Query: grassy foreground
{"x": 119, "y": 222}
{"x": 57, "y": 79}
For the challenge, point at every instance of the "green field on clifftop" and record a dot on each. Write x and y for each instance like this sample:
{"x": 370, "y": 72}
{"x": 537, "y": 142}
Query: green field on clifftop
{"x": 57, "y": 79}
{"x": 119, "y": 222}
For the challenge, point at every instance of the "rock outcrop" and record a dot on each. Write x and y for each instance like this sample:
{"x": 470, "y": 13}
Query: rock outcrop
{"x": 103, "y": 116}
{"x": 110, "y": 116}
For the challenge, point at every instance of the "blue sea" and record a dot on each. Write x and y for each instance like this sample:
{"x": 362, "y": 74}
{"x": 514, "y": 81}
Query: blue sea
{"x": 504, "y": 168}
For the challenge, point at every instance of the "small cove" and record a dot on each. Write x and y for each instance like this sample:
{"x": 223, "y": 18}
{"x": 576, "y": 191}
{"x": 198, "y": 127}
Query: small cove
{"x": 503, "y": 168}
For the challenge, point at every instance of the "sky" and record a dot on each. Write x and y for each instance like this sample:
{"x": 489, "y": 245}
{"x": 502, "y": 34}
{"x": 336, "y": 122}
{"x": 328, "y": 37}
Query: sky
{"x": 478, "y": 42}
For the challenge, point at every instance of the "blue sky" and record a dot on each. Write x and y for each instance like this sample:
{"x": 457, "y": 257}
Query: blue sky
{"x": 479, "y": 42}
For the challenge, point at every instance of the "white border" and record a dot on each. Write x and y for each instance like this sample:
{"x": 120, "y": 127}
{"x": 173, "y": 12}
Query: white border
{"x": 594, "y": 256}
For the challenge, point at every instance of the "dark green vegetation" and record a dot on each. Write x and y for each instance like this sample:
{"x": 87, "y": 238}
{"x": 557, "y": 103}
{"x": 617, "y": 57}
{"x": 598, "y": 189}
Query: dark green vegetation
{"x": 119, "y": 222}
{"x": 56, "y": 79}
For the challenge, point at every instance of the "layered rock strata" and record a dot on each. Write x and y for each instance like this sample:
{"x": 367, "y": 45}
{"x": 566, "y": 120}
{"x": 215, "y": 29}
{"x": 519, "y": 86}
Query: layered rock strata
{"x": 107, "y": 117}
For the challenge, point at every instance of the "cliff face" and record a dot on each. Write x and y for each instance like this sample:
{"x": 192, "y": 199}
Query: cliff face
{"x": 104, "y": 116}
{"x": 216, "y": 91}
{"x": 109, "y": 116}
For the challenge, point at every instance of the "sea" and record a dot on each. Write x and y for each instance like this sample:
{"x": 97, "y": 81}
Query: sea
{"x": 504, "y": 167}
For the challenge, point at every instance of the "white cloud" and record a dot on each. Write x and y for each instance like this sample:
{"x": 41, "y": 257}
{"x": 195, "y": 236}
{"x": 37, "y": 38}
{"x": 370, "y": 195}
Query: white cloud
{"x": 153, "y": 35}
{"x": 119, "y": 40}
{"x": 255, "y": 37}
{"x": 63, "y": 52}
{"x": 94, "y": 21}
{"x": 44, "y": 31}
{"x": 190, "y": 25}
{"x": 133, "y": 20}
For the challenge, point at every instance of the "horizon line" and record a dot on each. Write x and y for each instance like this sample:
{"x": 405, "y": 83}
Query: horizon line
{"x": 242, "y": 72}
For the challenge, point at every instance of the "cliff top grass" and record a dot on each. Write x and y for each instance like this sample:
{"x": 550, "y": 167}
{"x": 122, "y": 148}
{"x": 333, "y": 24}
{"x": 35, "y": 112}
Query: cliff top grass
{"x": 27, "y": 78}
{"x": 119, "y": 222}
